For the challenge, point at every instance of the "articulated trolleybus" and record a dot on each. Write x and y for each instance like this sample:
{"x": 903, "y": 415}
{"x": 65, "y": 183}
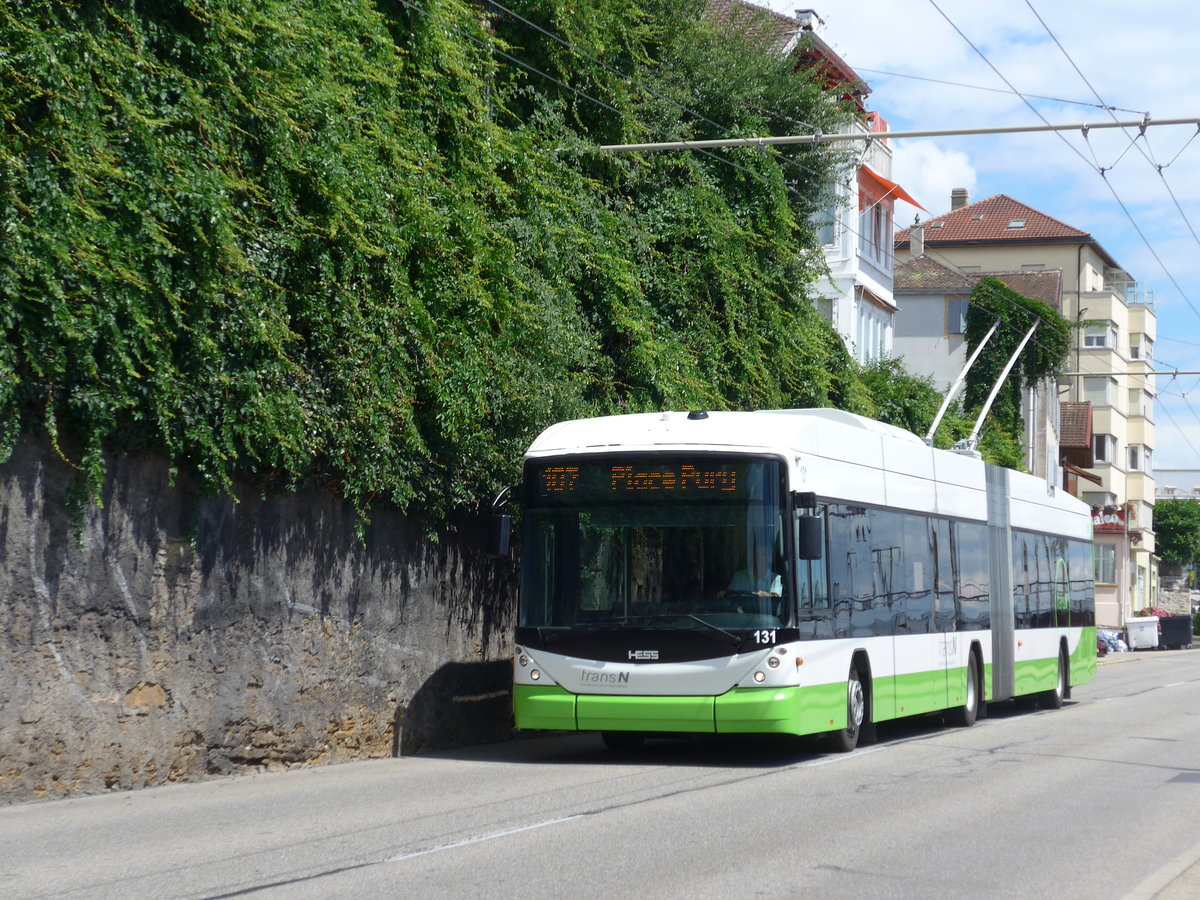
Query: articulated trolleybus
{"x": 794, "y": 572}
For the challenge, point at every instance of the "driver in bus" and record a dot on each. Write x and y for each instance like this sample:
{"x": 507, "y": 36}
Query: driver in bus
{"x": 759, "y": 577}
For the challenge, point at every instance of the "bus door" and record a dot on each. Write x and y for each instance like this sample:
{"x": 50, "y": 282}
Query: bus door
{"x": 919, "y": 649}
{"x": 945, "y": 616}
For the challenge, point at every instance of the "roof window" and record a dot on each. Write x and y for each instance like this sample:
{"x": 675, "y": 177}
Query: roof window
{"x": 1017, "y": 223}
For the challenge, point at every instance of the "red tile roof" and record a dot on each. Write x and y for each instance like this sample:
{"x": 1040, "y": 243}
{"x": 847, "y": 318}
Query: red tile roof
{"x": 784, "y": 34}
{"x": 997, "y": 219}
{"x": 1075, "y": 425}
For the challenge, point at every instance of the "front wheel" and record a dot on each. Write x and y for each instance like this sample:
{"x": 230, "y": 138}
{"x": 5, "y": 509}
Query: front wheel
{"x": 846, "y": 739}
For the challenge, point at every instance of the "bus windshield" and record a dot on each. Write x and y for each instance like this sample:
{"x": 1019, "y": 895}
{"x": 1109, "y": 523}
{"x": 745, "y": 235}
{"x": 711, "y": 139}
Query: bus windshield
{"x": 654, "y": 540}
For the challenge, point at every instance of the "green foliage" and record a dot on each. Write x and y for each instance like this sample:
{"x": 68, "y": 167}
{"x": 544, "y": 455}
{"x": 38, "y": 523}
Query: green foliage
{"x": 1044, "y": 356}
{"x": 356, "y": 243}
{"x": 1177, "y": 530}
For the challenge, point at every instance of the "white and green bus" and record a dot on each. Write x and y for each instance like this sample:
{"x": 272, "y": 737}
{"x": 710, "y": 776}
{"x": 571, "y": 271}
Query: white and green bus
{"x": 797, "y": 572}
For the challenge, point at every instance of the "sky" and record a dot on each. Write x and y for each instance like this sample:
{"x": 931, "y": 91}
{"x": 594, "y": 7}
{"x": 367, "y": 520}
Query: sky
{"x": 957, "y": 64}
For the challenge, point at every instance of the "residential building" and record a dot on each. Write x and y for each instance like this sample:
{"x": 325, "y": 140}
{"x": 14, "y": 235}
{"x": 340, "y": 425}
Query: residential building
{"x": 1110, "y": 381}
{"x": 857, "y": 227}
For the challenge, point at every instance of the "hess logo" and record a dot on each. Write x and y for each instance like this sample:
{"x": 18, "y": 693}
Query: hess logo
{"x": 643, "y": 654}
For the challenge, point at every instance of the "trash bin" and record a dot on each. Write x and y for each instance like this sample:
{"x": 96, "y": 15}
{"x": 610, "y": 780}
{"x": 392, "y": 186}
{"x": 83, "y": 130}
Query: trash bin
{"x": 1175, "y": 631}
{"x": 1141, "y": 632}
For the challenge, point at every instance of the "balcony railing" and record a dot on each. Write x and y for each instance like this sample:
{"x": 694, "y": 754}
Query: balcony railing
{"x": 1134, "y": 293}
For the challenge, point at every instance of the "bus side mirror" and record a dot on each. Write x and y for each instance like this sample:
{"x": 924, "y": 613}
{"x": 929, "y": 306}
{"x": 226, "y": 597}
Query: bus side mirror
{"x": 812, "y": 537}
{"x": 500, "y": 526}
{"x": 499, "y": 534}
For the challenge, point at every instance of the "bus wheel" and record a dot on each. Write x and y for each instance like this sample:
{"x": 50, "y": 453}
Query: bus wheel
{"x": 965, "y": 715}
{"x": 846, "y": 739}
{"x": 623, "y": 741}
{"x": 1053, "y": 698}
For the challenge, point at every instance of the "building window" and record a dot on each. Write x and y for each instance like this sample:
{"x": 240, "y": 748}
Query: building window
{"x": 825, "y": 222}
{"x": 1104, "y": 448}
{"x": 871, "y": 332}
{"x": 1098, "y": 391}
{"x": 875, "y": 234}
{"x": 956, "y": 316}
{"x": 1140, "y": 402}
{"x": 1135, "y": 457}
{"x": 1105, "y": 564}
{"x": 1141, "y": 347}
{"x": 1100, "y": 336}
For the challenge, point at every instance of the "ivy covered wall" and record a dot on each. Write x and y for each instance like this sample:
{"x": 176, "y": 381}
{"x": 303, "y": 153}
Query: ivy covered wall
{"x": 373, "y": 245}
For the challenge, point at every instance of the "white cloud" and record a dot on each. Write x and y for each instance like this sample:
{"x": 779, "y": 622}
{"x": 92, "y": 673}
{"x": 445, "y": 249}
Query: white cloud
{"x": 928, "y": 172}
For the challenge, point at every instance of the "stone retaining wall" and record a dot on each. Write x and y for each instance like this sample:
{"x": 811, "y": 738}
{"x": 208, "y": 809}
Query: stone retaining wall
{"x": 171, "y": 635}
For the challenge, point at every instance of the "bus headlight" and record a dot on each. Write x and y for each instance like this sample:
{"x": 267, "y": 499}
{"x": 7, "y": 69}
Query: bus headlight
{"x": 773, "y": 662}
{"x": 523, "y": 660}
{"x": 535, "y": 675}
{"x": 760, "y": 676}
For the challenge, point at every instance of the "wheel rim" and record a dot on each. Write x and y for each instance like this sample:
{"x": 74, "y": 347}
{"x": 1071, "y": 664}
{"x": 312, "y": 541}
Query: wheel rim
{"x": 1061, "y": 687}
{"x": 856, "y": 706}
{"x": 971, "y": 687}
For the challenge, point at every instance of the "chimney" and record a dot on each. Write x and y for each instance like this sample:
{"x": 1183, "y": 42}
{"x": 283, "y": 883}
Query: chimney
{"x": 916, "y": 239}
{"x": 810, "y": 21}
{"x": 958, "y": 198}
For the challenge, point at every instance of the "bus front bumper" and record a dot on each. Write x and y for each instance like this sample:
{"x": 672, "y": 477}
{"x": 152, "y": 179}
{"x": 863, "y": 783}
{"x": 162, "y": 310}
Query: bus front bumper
{"x": 768, "y": 710}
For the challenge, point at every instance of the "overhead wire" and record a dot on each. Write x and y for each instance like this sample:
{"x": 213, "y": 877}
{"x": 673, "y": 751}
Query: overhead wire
{"x": 634, "y": 82}
{"x": 580, "y": 93}
{"x": 611, "y": 69}
{"x": 1147, "y": 154}
{"x": 779, "y": 158}
{"x": 1121, "y": 203}
{"x": 788, "y": 161}
{"x": 979, "y": 87}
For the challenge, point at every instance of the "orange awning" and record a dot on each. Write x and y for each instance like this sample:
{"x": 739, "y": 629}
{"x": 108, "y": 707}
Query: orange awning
{"x": 888, "y": 187}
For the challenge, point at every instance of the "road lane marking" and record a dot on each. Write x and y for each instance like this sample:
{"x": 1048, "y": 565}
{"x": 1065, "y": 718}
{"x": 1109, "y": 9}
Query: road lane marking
{"x": 478, "y": 839}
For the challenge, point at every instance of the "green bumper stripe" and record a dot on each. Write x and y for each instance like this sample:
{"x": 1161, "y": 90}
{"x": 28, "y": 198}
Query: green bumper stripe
{"x": 606, "y": 713}
{"x": 790, "y": 710}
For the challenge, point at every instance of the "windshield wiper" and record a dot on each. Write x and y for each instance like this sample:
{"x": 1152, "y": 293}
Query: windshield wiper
{"x": 729, "y": 635}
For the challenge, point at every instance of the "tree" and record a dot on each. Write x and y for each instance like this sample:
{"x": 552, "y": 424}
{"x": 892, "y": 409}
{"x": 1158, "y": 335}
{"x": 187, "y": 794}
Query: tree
{"x": 375, "y": 246}
{"x": 1177, "y": 530}
{"x": 1044, "y": 355}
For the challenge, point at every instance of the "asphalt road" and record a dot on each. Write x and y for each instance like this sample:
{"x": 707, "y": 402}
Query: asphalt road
{"x": 1099, "y": 799}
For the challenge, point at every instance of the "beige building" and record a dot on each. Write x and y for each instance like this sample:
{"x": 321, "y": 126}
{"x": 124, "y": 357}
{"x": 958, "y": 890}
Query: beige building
{"x": 1107, "y": 397}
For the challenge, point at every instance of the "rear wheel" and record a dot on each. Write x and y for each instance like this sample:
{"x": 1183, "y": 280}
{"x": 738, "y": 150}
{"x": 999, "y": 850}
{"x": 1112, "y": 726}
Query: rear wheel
{"x": 1053, "y": 698}
{"x": 846, "y": 739}
{"x": 965, "y": 715}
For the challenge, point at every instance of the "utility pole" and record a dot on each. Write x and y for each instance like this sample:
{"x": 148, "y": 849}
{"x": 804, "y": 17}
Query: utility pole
{"x": 818, "y": 137}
